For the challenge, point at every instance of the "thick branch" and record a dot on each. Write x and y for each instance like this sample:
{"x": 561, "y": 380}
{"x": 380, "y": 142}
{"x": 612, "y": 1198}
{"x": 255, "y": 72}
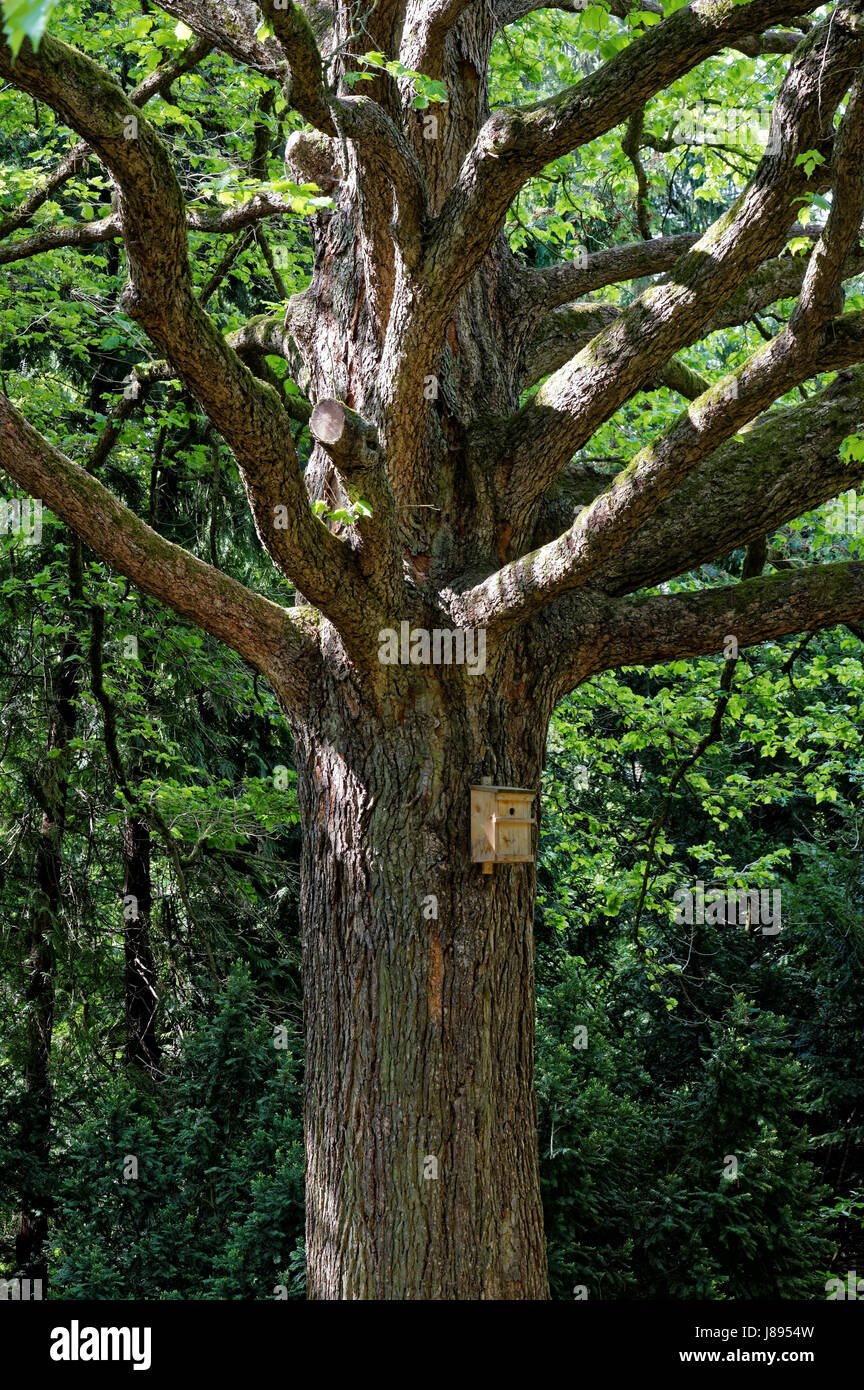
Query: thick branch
{"x": 79, "y": 235}
{"x": 515, "y": 144}
{"x": 545, "y": 288}
{"x": 570, "y": 327}
{"x": 549, "y": 286}
{"x": 775, "y": 41}
{"x": 314, "y": 158}
{"x": 231, "y": 26}
{"x": 612, "y": 520}
{"x": 158, "y": 82}
{"x": 784, "y": 465}
{"x": 577, "y": 399}
{"x": 426, "y": 34}
{"x": 271, "y": 638}
{"x": 271, "y": 335}
{"x": 821, "y": 293}
{"x": 664, "y": 627}
{"x": 348, "y": 439}
{"x": 512, "y": 146}
{"x": 160, "y": 297}
{"x": 306, "y": 89}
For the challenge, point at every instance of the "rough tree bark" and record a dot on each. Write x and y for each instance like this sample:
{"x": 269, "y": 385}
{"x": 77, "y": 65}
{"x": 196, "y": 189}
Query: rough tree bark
{"x": 419, "y": 978}
{"x": 412, "y": 347}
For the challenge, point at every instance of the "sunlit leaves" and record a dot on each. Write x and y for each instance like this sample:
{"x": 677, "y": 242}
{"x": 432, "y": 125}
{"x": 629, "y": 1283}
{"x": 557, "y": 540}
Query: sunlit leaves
{"x": 426, "y": 89}
{"x": 26, "y": 19}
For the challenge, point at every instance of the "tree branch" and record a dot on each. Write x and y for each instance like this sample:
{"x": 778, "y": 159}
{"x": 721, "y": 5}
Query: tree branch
{"x": 79, "y": 235}
{"x": 512, "y": 146}
{"x": 786, "y": 464}
{"x": 159, "y": 295}
{"x": 348, "y": 439}
{"x": 278, "y": 642}
{"x": 775, "y": 41}
{"x": 306, "y": 89}
{"x": 84, "y": 234}
{"x": 351, "y": 444}
{"x": 231, "y": 26}
{"x": 547, "y": 287}
{"x": 516, "y": 143}
{"x": 567, "y": 329}
{"x": 665, "y": 627}
{"x": 573, "y": 403}
{"x": 426, "y": 34}
{"x": 612, "y": 520}
{"x": 630, "y": 146}
{"x": 158, "y": 82}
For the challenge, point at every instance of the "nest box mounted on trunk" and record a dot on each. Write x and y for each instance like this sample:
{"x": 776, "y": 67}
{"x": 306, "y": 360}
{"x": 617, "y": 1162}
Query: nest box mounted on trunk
{"x": 501, "y": 826}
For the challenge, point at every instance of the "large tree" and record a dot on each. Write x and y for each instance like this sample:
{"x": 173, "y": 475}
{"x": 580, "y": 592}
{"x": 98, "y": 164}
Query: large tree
{"x": 451, "y": 390}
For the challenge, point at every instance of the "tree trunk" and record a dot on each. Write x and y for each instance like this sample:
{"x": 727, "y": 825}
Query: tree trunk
{"x": 419, "y": 986}
{"x": 140, "y": 994}
{"x": 142, "y": 1045}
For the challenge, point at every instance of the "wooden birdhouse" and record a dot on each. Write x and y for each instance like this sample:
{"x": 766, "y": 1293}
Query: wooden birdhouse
{"x": 502, "y": 826}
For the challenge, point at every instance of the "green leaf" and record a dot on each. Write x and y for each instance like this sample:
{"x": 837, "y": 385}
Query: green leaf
{"x": 810, "y": 159}
{"x": 26, "y": 19}
{"x": 852, "y": 449}
{"x": 595, "y": 18}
